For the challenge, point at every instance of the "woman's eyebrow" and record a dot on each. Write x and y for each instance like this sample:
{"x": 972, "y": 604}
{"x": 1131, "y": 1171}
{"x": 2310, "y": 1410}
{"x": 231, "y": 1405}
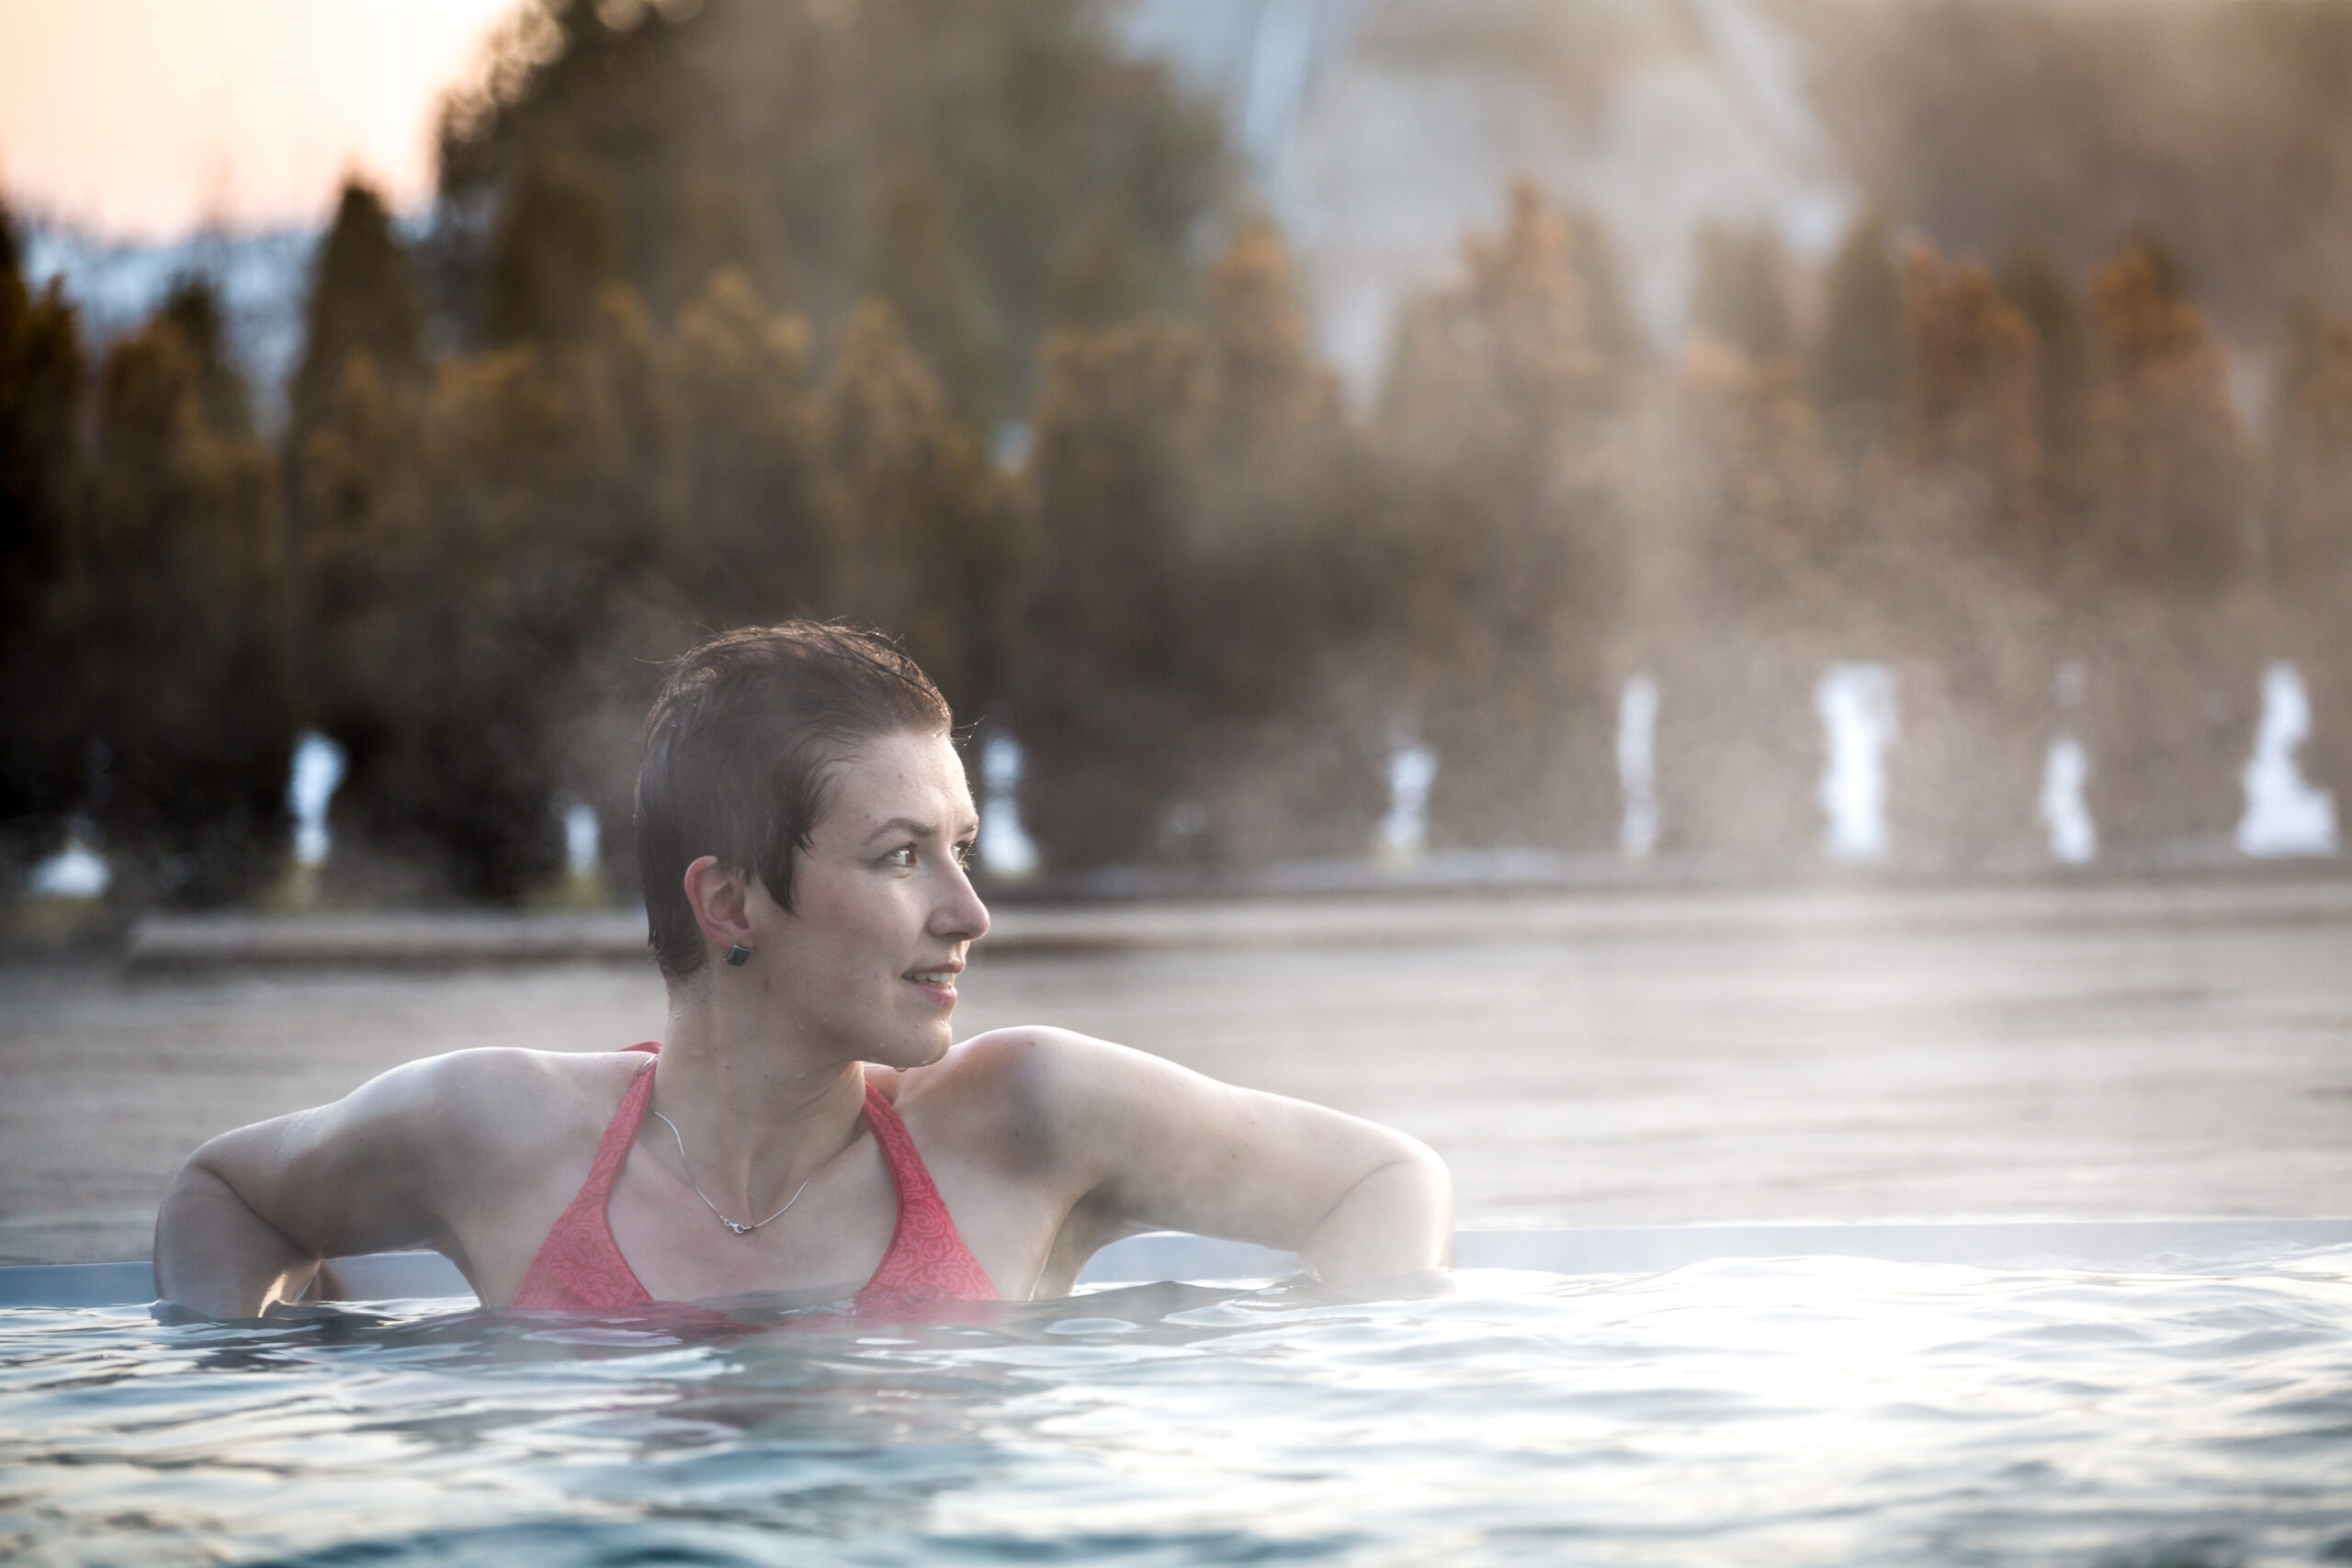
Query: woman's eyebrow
{"x": 908, "y": 825}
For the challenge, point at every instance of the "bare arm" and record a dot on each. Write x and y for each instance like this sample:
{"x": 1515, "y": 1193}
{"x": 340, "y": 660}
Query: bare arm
{"x": 215, "y": 1255}
{"x": 246, "y": 1222}
{"x": 1152, "y": 1145}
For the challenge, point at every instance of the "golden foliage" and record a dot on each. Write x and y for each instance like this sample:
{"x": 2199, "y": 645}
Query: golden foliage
{"x": 2175, "y": 470}
{"x": 2312, "y": 440}
{"x": 1972, "y": 390}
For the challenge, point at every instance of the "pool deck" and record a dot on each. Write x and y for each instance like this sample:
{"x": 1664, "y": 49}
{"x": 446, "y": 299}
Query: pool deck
{"x": 1613, "y": 1057}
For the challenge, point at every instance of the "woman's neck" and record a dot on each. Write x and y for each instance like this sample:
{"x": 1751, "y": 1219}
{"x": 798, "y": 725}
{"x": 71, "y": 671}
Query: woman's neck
{"x": 756, "y": 1116}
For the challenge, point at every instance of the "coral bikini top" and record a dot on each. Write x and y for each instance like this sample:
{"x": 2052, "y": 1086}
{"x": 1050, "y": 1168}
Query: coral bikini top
{"x": 579, "y": 1267}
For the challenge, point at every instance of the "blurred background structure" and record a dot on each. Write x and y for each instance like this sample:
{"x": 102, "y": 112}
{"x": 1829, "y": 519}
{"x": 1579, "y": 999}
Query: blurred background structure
{"x": 1313, "y": 440}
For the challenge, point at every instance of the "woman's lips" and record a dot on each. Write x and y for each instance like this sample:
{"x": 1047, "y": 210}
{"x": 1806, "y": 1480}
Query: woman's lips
{"x": 938, "y": 983}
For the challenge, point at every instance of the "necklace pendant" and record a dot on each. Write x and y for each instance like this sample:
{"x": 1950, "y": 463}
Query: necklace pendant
{"x": 739, "y": 1230}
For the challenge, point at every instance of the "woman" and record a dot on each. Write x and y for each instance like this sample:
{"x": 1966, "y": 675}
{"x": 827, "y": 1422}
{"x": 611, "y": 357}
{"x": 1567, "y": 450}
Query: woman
{"x": 805, "y": 1132}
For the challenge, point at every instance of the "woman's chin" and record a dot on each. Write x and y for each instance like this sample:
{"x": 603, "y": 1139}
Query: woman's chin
{"x": 908, "y": 1055}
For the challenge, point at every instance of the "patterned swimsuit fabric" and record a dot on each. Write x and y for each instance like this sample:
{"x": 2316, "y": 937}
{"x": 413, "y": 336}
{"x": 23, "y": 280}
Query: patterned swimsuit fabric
{"x": 579, "y": 1267}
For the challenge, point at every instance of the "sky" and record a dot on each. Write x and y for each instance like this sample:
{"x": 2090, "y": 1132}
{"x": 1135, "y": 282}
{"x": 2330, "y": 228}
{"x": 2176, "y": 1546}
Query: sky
{"x": 148, "y": 119}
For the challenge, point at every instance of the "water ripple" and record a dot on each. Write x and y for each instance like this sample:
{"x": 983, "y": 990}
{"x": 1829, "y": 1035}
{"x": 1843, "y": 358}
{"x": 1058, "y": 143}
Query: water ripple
{"x": 1801, "y": 1410}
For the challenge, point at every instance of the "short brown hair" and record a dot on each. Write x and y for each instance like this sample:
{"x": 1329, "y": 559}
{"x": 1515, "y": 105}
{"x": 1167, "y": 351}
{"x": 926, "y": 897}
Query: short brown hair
{"x": 740, "y": 750}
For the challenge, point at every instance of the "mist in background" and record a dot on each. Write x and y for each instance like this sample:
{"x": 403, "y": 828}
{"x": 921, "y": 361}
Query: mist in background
{"x": 1719, "y": 439}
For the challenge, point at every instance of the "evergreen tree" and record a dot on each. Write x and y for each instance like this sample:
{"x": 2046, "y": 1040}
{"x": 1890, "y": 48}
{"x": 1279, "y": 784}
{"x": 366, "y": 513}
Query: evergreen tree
{"x": 1609, "y": 318}
{"x": 1098, "y": 686}
{"x": 1970, "y": 412}
{"x": 2310, "y": 486}
{"x": 2311, "y": 532}
{"x": 1029, "y": 119}
{"x": 485, "y": 626}
{"x": 1276, "y": 499}
{"x": 1104, "y": 272}
{"x": 1266, "y": 385}
{"x": 925, "y": 522}
{"x": 559, "y": 244}
{"x": 1740, "y": 299}
{"x": 1197, "y": 505}
{"x": 1858, "y": 364}
{"x": 178, "y": 602}
{"x": 2174, "y": 469}
{"x": 751, "y": 542}
{"x": 918, "y": 265}
{"x": 366, "y": 298}
{"x": 2032, "y": 281}
{"x": 1753, "y": 496}
{"x": 1494, "y": 417}
{"x": 41, "y": 488}
{"x": 1758, "y": 485}
{"x": 2170, "y": 718}
{"x": 725, "y": 228}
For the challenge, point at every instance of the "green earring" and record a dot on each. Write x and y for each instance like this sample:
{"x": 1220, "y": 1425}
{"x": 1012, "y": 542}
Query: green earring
{"x": 736, "y": 954}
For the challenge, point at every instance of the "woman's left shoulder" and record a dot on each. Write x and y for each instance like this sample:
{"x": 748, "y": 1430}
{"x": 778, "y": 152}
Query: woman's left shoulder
{"x": 1025, "y": 1061}
{"x": 1007, "y": 1087}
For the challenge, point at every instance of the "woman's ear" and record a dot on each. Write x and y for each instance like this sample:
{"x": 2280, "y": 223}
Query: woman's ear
{"x": 721, "y": 902}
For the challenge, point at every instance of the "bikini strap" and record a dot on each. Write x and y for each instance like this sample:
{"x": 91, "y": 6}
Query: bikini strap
{"x": 620, "y": 1134}
{"x": 927, "y": 1260}
{"x": 908, "y": 1172}
{"x": 579, "y": 1267}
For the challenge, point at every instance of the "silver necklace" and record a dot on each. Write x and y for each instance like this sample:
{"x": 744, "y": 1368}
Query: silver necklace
{"x": 738, "y": 1228}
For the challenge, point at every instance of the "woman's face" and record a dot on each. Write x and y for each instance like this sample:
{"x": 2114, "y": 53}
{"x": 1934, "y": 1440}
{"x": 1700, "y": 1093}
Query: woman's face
{"x": 865, "y": 965}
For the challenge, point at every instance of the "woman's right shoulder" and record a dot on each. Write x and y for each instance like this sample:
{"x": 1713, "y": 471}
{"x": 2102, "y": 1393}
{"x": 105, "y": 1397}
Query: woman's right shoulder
{"x": 496, "y": 1103}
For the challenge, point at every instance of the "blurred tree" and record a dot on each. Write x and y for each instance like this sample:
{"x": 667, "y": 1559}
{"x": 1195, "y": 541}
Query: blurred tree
{"x": 2310, "y": 532}
{"x": 917, "y": 264}
{"x": 179, "y": 604}
{"x": 2310, "y": 468}
{"x": 1616, "y": 336}
{"x": 1971, "y": 410}
{"x": 1104, "y": 272}
{"x": 1494, "y": 417}
{"x": 1100, "y": 687}
{"x": 1203, "y": 560}
{"x": 363, "y": 368}
{"x": 2032, "y": 280}
{"x": 1266, "y": 387}
{"x": 41, "y": 488}
{"x": 1758, "y": 487}
{"x": 1741, "y": 298}
{"x": 2171, "y": 715}
{"x": 752, "y": 541}
{"x": 1030, "y": 123}
{"x": 1506, "y": 361}
{"x": 558, "y": 244}
{"x": 2230, "y": 126}
{"x": 725, "y": 228}
{"x": 1858, "y": 363}
{"x": 1751, "y": 497}
{"x": 470, "y": 550}
{"x": 366, "y": 298}
{"x": 2174, "y": 467}
{"x": 927, "y": 525}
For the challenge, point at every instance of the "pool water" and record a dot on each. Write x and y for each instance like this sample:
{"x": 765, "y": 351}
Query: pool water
{"x": 1811, "y": 1410}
